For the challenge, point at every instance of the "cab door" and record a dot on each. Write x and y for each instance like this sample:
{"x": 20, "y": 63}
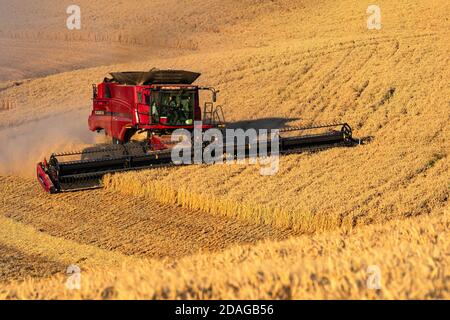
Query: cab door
{"x": 154, "y": 103}
{"x": 143, "y": 107}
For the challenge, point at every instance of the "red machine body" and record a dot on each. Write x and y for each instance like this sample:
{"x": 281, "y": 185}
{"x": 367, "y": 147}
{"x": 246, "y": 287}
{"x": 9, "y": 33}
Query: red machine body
{"x": 158, "y": 102}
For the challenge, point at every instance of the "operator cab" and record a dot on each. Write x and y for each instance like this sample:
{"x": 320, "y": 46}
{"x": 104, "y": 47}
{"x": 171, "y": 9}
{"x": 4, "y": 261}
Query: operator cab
{"x": 155, "y": 102}
{"x": 173, "y": 107}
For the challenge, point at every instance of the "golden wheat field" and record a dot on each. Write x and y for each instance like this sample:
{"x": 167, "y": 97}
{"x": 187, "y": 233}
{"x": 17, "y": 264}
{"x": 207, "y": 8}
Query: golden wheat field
{"x": 315, "y": 230}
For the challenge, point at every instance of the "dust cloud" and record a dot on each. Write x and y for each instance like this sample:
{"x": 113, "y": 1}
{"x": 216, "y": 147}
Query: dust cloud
{"x": 25, "y": 145}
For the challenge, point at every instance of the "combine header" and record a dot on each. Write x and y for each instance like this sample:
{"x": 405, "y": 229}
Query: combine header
{"x": 157, "y": 103}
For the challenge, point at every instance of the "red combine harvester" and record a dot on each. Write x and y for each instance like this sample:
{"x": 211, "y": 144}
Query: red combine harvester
{"x": 155, "y": 103}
